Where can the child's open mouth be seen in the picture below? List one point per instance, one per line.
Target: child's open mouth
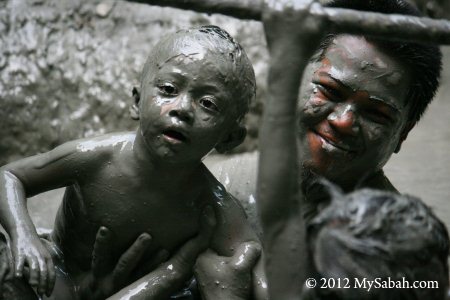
(174, 136)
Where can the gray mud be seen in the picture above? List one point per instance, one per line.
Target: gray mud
(67, 69)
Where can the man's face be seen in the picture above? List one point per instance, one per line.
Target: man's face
(186, 106)
(353, 110)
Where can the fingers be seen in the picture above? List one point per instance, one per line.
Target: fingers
(18, 265)
(4, 269)
(4, 262)
(246, 255)
(151, 264)
(101, 254)
(34, 272)
(43, 276)
(51, 277)
(10, 274)
(129, 260)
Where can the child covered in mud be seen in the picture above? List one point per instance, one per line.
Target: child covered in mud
(373, 244)
(195, 90)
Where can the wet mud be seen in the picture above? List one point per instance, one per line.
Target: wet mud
(67, 69)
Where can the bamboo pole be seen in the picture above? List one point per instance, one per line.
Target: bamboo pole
(396, 27)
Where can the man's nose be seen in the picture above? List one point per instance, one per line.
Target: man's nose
(343, 119)
(183, 109)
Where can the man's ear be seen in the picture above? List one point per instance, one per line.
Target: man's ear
(233, 139)
(404, 135)
(134, 109)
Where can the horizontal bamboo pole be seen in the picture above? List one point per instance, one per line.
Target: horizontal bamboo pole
(396, 27)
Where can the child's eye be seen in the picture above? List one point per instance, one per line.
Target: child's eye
(167, 89)
(208, 103)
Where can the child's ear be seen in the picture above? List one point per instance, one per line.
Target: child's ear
(233, 139)
(134, 109)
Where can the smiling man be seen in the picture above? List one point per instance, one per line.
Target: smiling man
(355, 110)
(359, 98)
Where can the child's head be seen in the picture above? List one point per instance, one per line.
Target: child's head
(196, 87)
(375, 234)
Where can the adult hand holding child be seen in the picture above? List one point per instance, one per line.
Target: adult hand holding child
(213, 273)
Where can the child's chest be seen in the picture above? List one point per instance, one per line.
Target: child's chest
(169, 215)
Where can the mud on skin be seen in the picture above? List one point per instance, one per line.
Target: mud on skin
(352, 102)
(352, 113)
(377, 234)
(151, 181)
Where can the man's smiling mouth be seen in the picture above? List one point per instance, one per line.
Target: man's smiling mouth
(333, 144)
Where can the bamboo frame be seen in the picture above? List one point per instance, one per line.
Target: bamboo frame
(397, 27)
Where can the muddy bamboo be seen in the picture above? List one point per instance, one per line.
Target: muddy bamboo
(397, 27)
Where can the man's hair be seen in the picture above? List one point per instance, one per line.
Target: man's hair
(423, 62)
(220, 42)
(377, 234)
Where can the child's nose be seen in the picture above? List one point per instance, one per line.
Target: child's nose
(343, 119)
(183, 109)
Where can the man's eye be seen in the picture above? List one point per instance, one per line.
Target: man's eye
(330, 93)
(209, 104)
(167, 89)
(378, 117)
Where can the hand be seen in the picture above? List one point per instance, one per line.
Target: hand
(290, 23)
(170, 277)
(32, 259)
(227, 278)
(102, 282)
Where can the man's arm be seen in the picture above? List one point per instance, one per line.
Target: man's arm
(292, 36)
(27, 177)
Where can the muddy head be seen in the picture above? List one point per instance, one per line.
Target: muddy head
(353, 109)
(195, 89)
(360, 97)
(375, 234)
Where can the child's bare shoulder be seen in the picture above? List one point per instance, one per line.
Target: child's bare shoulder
(107, 145)
(232, 228)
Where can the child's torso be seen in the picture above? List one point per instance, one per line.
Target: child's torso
(128, 205)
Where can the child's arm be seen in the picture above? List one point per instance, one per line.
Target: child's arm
(292, 36)
(233, 235)
(25, 178)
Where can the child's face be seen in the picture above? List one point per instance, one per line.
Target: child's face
(188, 106)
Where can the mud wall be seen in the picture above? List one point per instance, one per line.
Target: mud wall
(67, 67)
